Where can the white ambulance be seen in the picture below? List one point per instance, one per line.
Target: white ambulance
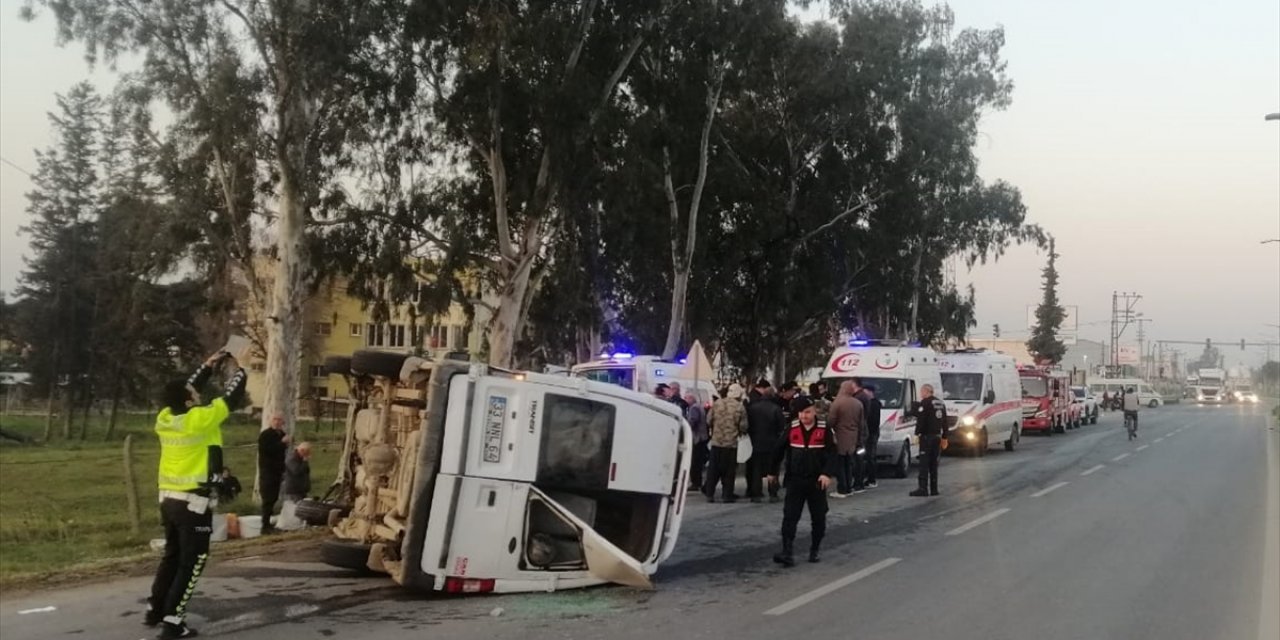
(897, 371)
(983, 397)
(644, 373)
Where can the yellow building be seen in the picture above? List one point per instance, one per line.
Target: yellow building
(338, 324)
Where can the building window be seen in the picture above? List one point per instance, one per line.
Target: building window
(319, 392)
(439, 337)
(375, 336)
(324, 328)
(395, 335)
(317, 371)
(258, 367)
(357, 329)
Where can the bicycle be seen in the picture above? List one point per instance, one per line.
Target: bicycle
(1131, 424)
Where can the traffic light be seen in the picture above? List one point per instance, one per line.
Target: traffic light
(995, 329)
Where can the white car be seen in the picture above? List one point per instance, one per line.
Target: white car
(1245, 395)
(1085, 397)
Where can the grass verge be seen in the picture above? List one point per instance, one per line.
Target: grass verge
(63, 505)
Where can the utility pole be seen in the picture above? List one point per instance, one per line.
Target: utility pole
(1122, 305)
(1142, 352)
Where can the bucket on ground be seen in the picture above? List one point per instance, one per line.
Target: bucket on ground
(250, 526)
(219, 528)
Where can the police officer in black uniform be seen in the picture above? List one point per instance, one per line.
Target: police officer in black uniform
(931, 427)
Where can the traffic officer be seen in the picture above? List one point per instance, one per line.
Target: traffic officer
(190, 468)
(931, 427)
(809, 448)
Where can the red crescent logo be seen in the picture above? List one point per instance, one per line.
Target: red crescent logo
(846, 363)
(886, 362)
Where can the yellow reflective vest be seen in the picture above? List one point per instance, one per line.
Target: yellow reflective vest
(185, 443)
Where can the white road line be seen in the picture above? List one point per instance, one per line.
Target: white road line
(802, 600)
(1142, 447)
(1052, 487)
(1120, 457)
(1092, 469)
(1160, 439)
(978, 522)
(37, 610)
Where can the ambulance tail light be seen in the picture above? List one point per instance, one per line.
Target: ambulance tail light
(468, 585)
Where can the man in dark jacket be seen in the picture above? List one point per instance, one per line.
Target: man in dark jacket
(871, 410)
(931, 427)
(273, 443)
(297, 473)
(808, 448)
(697, 419)
(765, 423)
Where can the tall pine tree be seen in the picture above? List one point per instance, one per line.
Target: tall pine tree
(1044, 344)
(57, 281)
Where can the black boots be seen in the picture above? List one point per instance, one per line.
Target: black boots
(813, 553)
(919, 493)
(786, 558)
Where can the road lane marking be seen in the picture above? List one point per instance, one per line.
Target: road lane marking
(1092, 469)
(1120, 457)
(978, 522)
(804, 599)
(1142, 447)
(1052, 487)
(37, 610)
(1158, 440)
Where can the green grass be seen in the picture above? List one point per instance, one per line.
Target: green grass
(63, 504)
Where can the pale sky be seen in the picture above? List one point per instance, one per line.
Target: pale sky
(1136, 135)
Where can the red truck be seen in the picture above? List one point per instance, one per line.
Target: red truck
(1047, 402)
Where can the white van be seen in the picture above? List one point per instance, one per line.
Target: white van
(644, 373)
(897, 371)
(1147, 396)
(464, 479)
(983, 397)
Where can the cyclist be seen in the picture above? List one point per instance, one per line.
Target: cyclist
(1131, 406)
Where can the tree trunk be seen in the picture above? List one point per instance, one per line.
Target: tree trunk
(679, 292)
(284, 325)
(510, 309)
(48, 413)
(68, 411)
(115, 406)
(915, 293)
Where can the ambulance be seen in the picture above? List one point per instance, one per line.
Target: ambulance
(897, 371)
(983, 398)
(460, 478)
(643, 373)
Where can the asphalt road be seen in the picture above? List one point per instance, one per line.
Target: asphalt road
(1082, 535)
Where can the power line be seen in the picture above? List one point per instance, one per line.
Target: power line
(8, 162)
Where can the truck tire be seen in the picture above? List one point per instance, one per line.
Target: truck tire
(345, 554)
(378, 363)
(337, 365)
(1154, 403)
(316, 512)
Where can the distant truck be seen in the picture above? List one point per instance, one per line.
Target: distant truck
(1210, 387)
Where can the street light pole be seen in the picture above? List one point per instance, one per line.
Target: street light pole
(1272, 116)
